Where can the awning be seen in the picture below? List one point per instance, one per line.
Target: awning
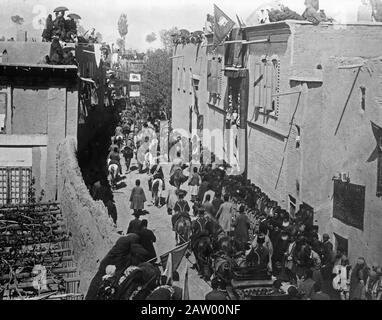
(313, 76)
(233, 72)
(305, 79)
(31, 66)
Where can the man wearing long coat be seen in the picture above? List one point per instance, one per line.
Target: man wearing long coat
(137, 197)
(224, 215)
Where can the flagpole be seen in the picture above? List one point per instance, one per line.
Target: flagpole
(186, 292)
(156, 258)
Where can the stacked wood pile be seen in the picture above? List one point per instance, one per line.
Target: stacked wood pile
(36, 258)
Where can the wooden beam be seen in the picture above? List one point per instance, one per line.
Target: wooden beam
(248, 42)
(216, 108)
(351, 66)
(347, 101)
(234, 41)
(267, 131)
(286, 93)
(258, 41)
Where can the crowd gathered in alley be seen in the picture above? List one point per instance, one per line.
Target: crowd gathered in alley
(229, 222)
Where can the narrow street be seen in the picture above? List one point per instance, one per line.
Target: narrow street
(160, 222)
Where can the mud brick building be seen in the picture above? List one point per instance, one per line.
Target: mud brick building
(309, 103)
(39, 110)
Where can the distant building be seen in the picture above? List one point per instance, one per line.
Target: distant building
(129, 78)
(305, 97)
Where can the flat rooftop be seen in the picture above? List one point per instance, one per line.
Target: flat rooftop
(38, 66)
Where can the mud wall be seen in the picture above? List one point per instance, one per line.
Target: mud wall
(92, 231)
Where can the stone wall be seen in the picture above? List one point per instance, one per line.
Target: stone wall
(92, 232)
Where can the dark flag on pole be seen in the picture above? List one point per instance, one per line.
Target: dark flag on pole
(377, 155)
(377, 131)
(177, 255)
(222, 26)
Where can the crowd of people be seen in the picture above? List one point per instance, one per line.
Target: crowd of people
(63, 28)
(289, 247)
(130, 140)
(243, 224)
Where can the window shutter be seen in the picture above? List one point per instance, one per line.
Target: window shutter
(209, 75)
(257, 90)
(184, 80)
(263, 86)
(178, 78)
(276, 86)
(190, 82)
(220, 82)
(215, 73)
(268, 86)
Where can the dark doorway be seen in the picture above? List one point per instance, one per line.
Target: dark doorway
(341, 244)
(306, 213)
(236, 106)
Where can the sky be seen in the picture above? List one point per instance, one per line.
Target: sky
(146, 16)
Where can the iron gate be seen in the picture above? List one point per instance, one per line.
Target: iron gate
(15, 184)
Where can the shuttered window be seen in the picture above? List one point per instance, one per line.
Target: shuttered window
(214, 75)
(220, 81)
(267, 86)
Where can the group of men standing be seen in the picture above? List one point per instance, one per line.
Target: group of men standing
(64, 29)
